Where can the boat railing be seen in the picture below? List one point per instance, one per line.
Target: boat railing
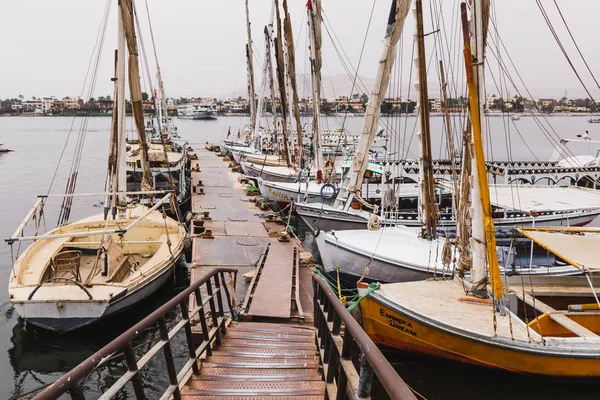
(349, 356)
(36, 212)
(213, 285)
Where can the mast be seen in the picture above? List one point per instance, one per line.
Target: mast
(314, 24)
(121, 176)
(429, 211)
(269, 61)
(136, 90)
(266, 76)
(398, 13)
(281, 85)
(250, 63)
(113, 149)
(291, 70)
(483, 224)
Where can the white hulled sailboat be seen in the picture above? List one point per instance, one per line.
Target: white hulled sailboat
(82, 271)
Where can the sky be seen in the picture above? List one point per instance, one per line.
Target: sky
(47, 45)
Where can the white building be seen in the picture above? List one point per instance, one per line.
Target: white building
(72, 102)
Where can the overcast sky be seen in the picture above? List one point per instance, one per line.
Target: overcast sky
(46, 45)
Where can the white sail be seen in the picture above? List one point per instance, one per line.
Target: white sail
(398, 13)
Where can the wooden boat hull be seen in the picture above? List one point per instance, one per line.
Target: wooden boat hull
(351, 252)
(351, 263)
(77, 314)
(401, 329)
(138, 265)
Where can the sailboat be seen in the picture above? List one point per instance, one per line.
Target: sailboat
(481, 321)
(254, 139)
(379, 248)
(83, 271)
(167, 157)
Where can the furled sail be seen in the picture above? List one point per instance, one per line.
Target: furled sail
(281, 84)
(291, 71)
(314, 12)
(136, 90)
(398, 13)
(250, 60)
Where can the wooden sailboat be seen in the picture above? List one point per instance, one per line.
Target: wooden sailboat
(255, 139)
(167, 158)
(482, 322)
(85, 270)
(420, 246)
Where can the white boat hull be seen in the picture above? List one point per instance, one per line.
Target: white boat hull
(328, 218)
(397, 254)
(73, 315)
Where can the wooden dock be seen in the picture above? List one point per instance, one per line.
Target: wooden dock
(270, 350)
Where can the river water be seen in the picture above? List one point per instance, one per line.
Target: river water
(31, 357)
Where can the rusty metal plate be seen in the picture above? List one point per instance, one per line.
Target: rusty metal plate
(273, 294)
(253, 229)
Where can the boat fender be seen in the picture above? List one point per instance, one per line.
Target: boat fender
(328, 191)
(187, 249)
(188, 217)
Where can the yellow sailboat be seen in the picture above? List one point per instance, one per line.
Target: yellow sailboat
(526, 329)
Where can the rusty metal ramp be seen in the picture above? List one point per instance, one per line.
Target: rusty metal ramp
(271, 290)
(260, 360)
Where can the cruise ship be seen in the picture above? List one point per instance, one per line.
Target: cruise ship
(197, 110)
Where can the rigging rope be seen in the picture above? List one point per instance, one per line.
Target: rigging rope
(65, 209)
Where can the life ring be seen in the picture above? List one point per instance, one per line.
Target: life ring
(328, 191)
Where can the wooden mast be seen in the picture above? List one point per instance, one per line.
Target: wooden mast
(291, 71)
(281, 85)
(429, 210)
(136, 91)
(314, 21)
(474, 65)
(113, 155)
(250, 63)
(269, 61)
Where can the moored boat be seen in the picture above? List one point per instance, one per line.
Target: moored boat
(83, 271)
(92, 268)
(481, 317)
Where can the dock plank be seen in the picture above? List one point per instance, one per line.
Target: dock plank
(273, 295)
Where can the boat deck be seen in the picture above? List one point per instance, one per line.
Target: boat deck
(446, 302)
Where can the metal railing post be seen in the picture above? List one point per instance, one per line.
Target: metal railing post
(164, 335)
(138, 386)
(213, 311)
(189, 337)
(76, 393)
(365, 379)
(203, 324)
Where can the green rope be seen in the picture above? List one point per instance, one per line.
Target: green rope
(372, 287)
(332, 284)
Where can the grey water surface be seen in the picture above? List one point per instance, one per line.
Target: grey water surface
(31, 357)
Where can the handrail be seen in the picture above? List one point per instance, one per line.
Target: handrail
(338, 350)
(71, 381)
